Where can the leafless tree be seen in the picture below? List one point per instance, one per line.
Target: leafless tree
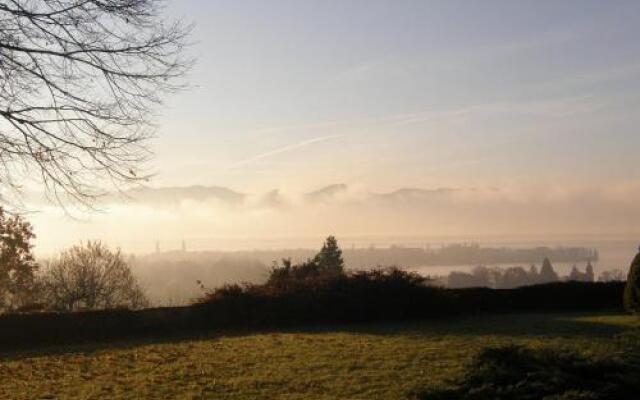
(79, 83)
(90, 277)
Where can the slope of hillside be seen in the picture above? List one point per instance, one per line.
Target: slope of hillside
(383, 361)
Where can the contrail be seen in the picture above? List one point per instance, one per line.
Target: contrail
(283, 150)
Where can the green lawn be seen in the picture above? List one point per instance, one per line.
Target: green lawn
(381, 361)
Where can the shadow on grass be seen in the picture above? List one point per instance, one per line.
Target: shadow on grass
(578, 325)
(516, 325)
(520, 373)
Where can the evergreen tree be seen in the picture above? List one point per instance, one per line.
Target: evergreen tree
(329, 259)
(534, 275)
(589, 274)
(574, 275)
(632, 289)
(547, 274)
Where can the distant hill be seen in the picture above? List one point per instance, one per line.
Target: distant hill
(415, 193)
(273, 199)
(326, 193)
(175, 195)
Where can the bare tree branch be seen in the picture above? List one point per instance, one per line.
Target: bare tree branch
(79, 83)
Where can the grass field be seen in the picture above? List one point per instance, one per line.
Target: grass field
(381, 361)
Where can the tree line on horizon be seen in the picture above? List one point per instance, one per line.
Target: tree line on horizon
(513, 277)
(463, 254)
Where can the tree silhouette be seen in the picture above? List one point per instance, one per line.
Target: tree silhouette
(534, 275)
(79, 80)
(91, 277)
(329, 259)
(574, 275)
(614, 275)
(589, 273)
(327, 263)
(632, 289)
(17, 264)
(547, 274)
(513, 277)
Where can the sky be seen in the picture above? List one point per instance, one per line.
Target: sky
(527, 110)
(301, 94)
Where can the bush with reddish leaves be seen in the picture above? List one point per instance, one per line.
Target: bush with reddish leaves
(379, 294)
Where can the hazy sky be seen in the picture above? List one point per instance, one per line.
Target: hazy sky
(297, 94)
(529, 109)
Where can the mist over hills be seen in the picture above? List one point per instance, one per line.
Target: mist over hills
(174, 195)
(326, 193)
(408, 193)
(231, 218)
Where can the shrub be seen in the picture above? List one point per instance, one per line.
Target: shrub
(519, 373)
(389, 294)
(328, 263)
(289, 274)
(90, 277)
(556, 296)
(360, 296)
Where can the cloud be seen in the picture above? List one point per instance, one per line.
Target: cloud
(281, 150)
